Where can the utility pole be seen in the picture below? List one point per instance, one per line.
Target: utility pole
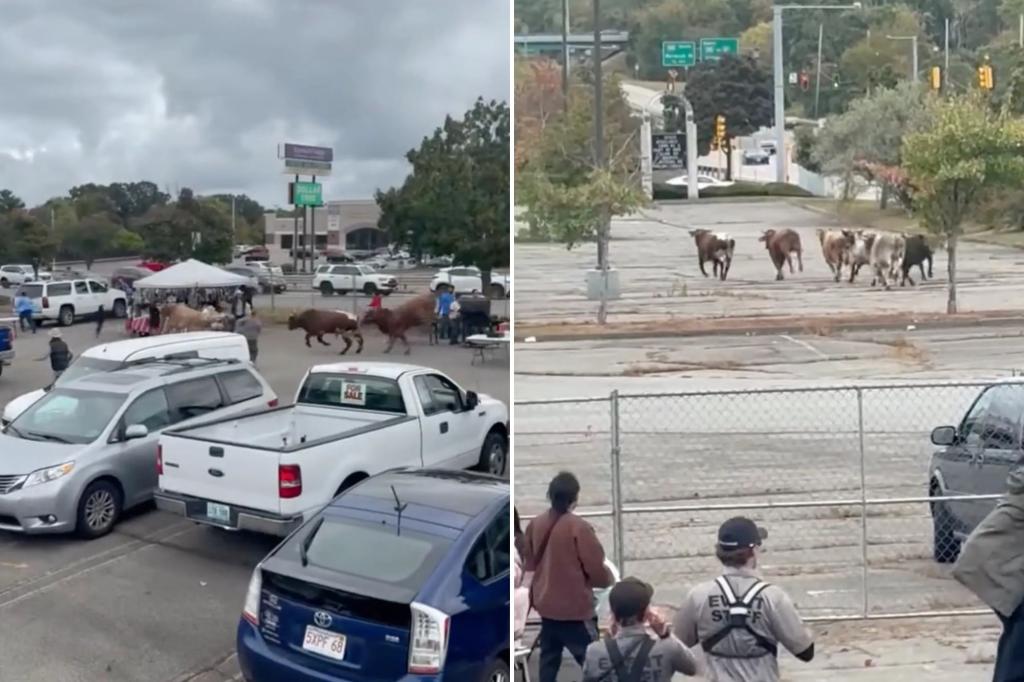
(565, 52)
(599, 161)
(817, 84)
(945, 72)
(1020, 30)
(780, 95)
(234, 233)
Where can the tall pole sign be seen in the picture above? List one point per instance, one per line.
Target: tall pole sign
(305, 160)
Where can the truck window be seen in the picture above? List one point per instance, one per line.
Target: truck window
(240, 386)
(443, 394)
(193, 398)
(356, 391)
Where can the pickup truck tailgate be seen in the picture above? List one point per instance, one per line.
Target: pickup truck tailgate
(219, 472)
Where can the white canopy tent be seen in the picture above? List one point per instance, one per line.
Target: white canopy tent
(192, 274)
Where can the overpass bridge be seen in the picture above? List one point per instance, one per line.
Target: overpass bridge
(550, 44)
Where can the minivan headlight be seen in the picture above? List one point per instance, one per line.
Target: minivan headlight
(48, 474)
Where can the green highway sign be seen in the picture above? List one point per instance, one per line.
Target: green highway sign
(305, 194)
(678, 53)
(712, 49)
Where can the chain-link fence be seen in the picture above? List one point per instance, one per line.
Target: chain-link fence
(842, 478)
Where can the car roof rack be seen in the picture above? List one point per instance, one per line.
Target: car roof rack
(178, 364)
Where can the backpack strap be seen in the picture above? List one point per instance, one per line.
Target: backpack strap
(739, 613)
(636, 671)
(618, 662)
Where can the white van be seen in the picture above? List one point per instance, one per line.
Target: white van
(110, 356)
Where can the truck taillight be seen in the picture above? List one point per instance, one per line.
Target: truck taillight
(289, 481)
(159, 460)
(46, 302)
(428, 643)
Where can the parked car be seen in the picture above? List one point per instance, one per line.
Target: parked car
(62, 301)
(429, 601)
(469, 279)
(349, 421)
(107, 357)
(267, 276)
(13, 275)
(974, 458)
(756, 157)
(85, 452)
(153, 265)
(130, 274)
(8, 326)
(341, 279)
(703, 181)
(252, 283)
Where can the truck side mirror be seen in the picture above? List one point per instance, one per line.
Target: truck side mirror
(472, 400)
(944, 436)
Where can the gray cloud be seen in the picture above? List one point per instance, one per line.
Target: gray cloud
(199, 92)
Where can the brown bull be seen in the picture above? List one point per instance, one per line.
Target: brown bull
(319, 322)
(395, 322)
(717, 247)
(781, 245)
(835, 245)
(178, 317)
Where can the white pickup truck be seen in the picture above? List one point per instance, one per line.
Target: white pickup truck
(269, 471)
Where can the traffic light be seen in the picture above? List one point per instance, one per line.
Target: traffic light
(935, 78)
(805, 81)
(835, 81)
(720, 128)
(985, 78)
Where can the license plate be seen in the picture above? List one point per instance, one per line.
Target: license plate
(324, 642)
(218, 512)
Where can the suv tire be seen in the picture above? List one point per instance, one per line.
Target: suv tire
(945, 545)
(120, 309)
(66, 317)
(326, 288)
(369, 288)
(99, 509)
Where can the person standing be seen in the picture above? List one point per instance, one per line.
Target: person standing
(24, 308)
(991, 565)
(250, 327)
(567, 561)
(444, 307)
(630, 652)
(376, 301)
(738, 619)
(59, 355)
(101, 316)
(238, 304)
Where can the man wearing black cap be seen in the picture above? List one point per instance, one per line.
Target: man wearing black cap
(738, 619)
(631, 655)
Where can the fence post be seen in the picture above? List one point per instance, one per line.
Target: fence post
(863, 504)
(616, 471)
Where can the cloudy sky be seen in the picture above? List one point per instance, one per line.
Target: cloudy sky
(198, 93)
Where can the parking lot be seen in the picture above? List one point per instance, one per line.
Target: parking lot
(159, 598)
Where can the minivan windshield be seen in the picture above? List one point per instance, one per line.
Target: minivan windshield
(84, 366)
(68, 416)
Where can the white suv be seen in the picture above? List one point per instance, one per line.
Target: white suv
(468, 280)
(13, 275)
(341, 279)
(65, 300)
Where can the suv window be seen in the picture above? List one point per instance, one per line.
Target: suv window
(489, 558)
(994, 420)
(81, 288)
(149, 409)
(438, 394)
(240, 386)
(323, 269)
(97, 288)
(61, 289)
(193, 398)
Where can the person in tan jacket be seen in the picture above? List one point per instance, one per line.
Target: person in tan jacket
(991, 565)
(567, 561)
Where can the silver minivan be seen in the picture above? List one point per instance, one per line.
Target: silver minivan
(88, 450)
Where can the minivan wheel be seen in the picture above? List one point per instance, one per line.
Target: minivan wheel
(99, 508)
(498, 672)
(493, 455)
(67, 316)
(945, 545)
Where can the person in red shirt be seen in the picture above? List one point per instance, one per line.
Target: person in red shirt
(376, 302)
(567, 561)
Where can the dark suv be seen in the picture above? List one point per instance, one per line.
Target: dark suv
(974, 458)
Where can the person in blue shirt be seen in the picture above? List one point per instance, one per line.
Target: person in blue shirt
(24, 307)
(444, 307)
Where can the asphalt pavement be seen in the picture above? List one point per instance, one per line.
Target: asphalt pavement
(158, 599)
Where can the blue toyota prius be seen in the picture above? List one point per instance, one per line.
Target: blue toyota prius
(403, 577)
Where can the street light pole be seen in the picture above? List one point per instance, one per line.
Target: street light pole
(780, 88)
(565, 52)
(599, 162)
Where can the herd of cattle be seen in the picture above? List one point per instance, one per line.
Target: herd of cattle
(890, 256)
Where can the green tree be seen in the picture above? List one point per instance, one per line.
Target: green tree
(33, 241)
(9, 201)
(674, 20)
(92, 236)
(968, 152)
(756, 42)
(126, 242)
(191, 227)
(869, 135)
(735, 87)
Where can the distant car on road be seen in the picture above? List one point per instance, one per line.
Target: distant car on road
(13, 275)
(975, 458)
(756, 157)
(427, 598)
(341, 279)
(703, 181)
(468, 279)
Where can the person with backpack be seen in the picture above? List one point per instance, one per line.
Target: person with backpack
(631, 654)
(738, 619)
(567, 561)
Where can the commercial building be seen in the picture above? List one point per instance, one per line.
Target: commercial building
(340, 226)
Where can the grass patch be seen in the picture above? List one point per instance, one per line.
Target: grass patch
(663, 191)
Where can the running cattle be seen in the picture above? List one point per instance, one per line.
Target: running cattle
(178, 317)
(835, 244)
(887, 257)
(716, 247)
(319, 322)
(781, 245)
(860, 255)
(394, 323)
(917, 252)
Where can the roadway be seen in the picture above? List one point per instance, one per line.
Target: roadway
(159, 598)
